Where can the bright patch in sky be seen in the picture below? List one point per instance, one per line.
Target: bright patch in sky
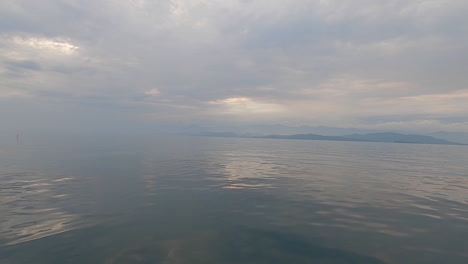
(247, 106)
(152, 92)
(48, 44)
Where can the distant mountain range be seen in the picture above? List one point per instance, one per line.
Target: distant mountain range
(388, 137)
(262, 130)
(371, 137)
(258, 130)
(461, 137)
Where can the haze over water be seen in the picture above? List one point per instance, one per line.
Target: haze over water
(163, 199)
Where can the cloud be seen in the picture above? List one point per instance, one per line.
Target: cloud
(58, 46)
(152, 92)
(334, 62)
(23, 64)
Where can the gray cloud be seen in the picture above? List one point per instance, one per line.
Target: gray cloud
(342, 63)
(25, 64)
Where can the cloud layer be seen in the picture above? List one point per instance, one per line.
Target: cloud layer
(111, 64)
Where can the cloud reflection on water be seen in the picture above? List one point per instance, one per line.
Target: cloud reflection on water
(30, 203)
(400, 192)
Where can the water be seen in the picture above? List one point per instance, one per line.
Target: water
(161, 199)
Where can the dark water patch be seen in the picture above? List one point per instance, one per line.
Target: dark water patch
(227, 245)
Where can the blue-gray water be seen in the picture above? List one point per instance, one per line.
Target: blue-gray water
(161, 199)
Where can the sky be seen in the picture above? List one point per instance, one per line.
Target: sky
(115, 64)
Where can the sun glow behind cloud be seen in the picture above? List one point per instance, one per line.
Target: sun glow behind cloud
(60, 46)
(152, 92)
(246, 106)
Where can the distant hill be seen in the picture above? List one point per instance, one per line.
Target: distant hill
(216, 134)
(258, 130)
(262, 130)
(371, 137)
(461, 137)
(312, 137)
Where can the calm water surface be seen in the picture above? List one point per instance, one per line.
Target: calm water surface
(161, 199)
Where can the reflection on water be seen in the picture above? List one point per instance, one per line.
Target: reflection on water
(226, 200)
(30, 201)
(250, 173)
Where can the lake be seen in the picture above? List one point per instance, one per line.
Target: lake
(175, 199)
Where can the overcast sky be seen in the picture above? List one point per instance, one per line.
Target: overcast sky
(97, 64)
